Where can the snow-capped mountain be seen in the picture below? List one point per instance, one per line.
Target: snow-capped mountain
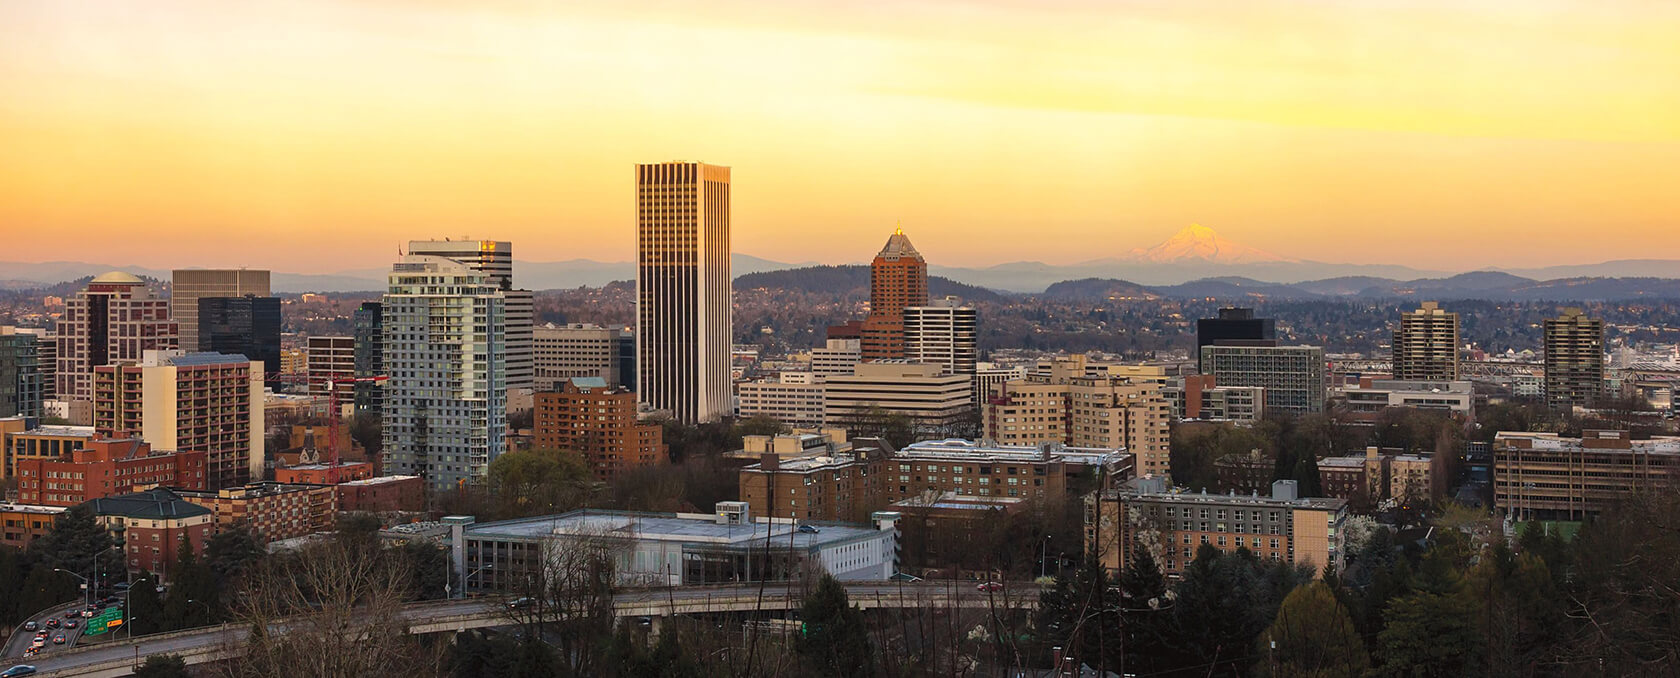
(1199, 243)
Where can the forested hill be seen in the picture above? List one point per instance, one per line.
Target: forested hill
(850, 279)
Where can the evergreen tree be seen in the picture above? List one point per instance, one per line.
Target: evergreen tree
(232, 552)
(193, 599)
(79, 544)
(44, 588)
(1429, 635)
(145, 606)
(163, 666)
(12, 574)
(835, 641)
(1314, 636)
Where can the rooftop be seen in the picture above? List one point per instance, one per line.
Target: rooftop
(117, 278)
(155, 503)
(691, 528)
(381, 480)
(9, 507)
(1179, 495)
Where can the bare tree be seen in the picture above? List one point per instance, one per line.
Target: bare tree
(332, 610)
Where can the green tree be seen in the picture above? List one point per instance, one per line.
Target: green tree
(232, 552)
(11, 585)
(428, 566)
(44, 588)
(835, 641)
(1314, 637)
(145, 606)
(163, 666)
(1429, 635)
(760, 425)
(539, 482)
(194, 599)
(77, 543)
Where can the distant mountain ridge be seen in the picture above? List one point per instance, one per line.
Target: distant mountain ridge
(1486, 285)
(852, 278)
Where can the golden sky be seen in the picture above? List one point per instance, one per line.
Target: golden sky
(314, 135)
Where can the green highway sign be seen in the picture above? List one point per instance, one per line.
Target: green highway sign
(107, 619)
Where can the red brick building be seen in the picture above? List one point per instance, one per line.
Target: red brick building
(274, 510)
(385, 493)
(324, 474)
(103, 468)
(897, 280)
(154, 523)
(598, 421)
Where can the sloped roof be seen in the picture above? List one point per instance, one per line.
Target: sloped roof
(158, 503)
(899, 247)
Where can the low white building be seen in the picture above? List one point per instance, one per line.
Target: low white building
(673, 549)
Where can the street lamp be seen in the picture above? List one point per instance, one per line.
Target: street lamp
(1042, 545)
(85, 586)
(467, 580)
(128, 607)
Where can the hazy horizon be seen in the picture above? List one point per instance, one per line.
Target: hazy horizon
(317, 136)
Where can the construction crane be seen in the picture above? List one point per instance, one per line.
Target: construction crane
(334, 416)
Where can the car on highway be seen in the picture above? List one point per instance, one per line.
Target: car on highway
(58, 639)
(39, 641)
(70, 623)
(71, 613)
(19, 670)
(989, 586)
(30, 625)
(521, 603)
(52, 623)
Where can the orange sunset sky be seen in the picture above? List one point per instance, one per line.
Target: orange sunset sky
(314, 135)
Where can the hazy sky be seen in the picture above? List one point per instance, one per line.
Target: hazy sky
(314, 135)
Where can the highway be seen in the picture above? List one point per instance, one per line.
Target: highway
(209, 644)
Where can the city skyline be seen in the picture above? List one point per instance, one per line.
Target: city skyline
(1336, 131)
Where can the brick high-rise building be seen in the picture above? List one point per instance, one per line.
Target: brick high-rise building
(189, 285)
(1574, 346)
(116, 319)
(897, 280)
(598, 421)
(106, 467)
(1426, 345)
(274, 510)
(684, 310)
(191, 402)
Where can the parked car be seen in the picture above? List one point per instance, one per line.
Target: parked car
(19, 670)
(809, 529)
(989, 586)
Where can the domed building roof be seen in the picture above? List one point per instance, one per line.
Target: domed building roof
(118, 278)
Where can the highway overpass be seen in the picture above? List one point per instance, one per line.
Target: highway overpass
(198, 646)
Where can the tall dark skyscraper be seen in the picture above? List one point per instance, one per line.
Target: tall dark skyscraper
(369, 321)
(247, 326)
(1234, 327)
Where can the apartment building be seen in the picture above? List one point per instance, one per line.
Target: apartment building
(1198, 396)
(106, 467)
(1574, 355)
(1426, 345)
(155, 524)
(598, 421)
(20, 374)
(1293, 376)
(330, 358)
(190, 402)
(836, 485)
(1173, 523)
(1060, 403)
(836, 357)
(1380, 475)
(275, 511)
(943, 332)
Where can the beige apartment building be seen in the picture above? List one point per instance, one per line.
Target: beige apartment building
(1426, 345)
(1546, 476)
(931, 397)
(1173, 523)
(1061, 403)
